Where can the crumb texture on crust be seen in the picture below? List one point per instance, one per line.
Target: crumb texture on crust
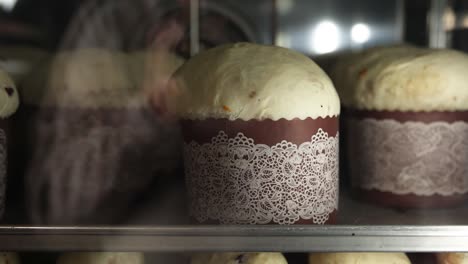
(404, 78)
(249, 81)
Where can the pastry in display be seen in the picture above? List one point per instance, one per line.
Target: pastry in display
(260, 126)
(452, 258)
(349, 70)
(9, 258)
(354, 69)
(358, 258)
(99, 143)
(9, 103)
(406, 126)
(102, 258)
(239, 258)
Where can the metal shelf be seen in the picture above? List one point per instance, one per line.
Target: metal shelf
(169, 208)
(159, 226)
(237, 238)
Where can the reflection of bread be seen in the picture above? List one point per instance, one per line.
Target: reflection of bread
(235, 258)
(101, 258)
(96, 130)
(94, 77)
(358, 258)
(91, 78)
(249, 81)
(150, 67)
(9, 258)
(9, 98)
(452, 258)
(406, 79)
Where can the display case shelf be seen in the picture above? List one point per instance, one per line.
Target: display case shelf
(361, 227)
(236, 238)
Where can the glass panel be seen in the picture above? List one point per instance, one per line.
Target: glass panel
(97, 155)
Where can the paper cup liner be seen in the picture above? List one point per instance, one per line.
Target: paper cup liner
(262, 172)
(408, 159)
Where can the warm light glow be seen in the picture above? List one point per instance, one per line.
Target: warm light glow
(360, 33)
(8, 4)
(449, 19)
(325, 37)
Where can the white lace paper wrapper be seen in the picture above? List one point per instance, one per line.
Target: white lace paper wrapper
(409, 158)
(235, 181)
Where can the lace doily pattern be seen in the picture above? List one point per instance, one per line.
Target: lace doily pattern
(235, 181)
(409, 158)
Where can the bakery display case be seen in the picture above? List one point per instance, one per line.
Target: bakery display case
(97, 155)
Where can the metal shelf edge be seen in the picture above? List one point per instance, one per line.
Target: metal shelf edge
(236, 238)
